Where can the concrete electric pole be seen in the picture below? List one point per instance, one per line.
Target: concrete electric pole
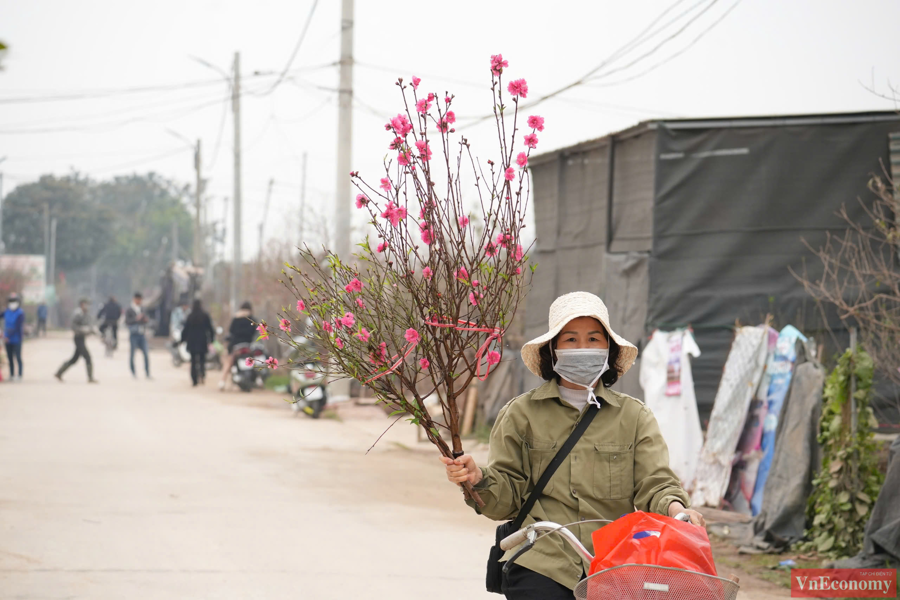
(340, 389)
(198, 229)
(236, 263)
(262, 221)
(345, 135)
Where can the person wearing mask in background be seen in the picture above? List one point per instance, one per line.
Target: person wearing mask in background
(13, 326)
(198, 334)
(81, 327)
(136, 320)
(109, 317)
(241, 331)
(41, 318)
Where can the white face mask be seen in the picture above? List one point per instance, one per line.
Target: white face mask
(13, 305)
(582, 366)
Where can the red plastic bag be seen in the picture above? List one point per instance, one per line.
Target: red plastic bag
(649, 539)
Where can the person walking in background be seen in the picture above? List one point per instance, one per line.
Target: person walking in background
(198, 334)
(109, 317)
(13, 326)
(241, 331)
(136, 320)
(41, 318)
(81, 327)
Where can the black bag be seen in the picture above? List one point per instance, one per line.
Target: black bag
(494, 578)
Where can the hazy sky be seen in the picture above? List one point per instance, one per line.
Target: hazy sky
(764, 57)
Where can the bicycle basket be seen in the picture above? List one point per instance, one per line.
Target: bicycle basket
(649, 582)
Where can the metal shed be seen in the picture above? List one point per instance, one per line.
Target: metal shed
(698, 223)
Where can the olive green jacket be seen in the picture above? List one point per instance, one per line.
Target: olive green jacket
(619, 464)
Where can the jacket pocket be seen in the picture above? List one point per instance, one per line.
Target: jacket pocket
(540, 453)
(613, 471)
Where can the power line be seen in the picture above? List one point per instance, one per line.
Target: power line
(309, 17)
(622, 51)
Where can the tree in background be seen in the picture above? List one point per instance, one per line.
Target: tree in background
(861, 276)
(124, 227)
(83, 226)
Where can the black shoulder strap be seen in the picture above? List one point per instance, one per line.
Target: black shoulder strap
(554, 464)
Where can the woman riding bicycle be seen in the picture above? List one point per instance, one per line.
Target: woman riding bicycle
(620, 463)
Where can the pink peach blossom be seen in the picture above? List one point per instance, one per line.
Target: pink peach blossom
(263, 331)
(510, 174)
(426, 273)
(300, 306)
(360, 303)
(424, 149)
(490, 249)
(401, 125)
(450, 117)
(411, 335)
(518, 270)
(348, 320)
(536, 122)
(394, 213)
(475, 283)
(249, 362)
(361, 200)
(339, 343)
(403, 159)
(463, 221)
(472, 300)
(493, 357)
(354, 286)
(386, 184)
(424, 363)
(522, 159)
(531, 140)
(461, 273)
(382, 247)
(498, 64)
(363, 335)
(519, 252)
(415, 82)
(272, 362)
(285, 325)
(327, 327)
(518, 87)
(423, 105)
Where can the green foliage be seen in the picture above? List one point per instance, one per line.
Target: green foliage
(848, 484)
(124, 226)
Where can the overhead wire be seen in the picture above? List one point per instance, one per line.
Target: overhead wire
(290, 61)
(632, 44)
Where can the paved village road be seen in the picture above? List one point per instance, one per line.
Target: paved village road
(151, 489)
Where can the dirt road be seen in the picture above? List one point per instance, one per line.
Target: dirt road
(152, 489)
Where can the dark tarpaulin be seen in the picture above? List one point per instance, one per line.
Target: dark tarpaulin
(732, 208)
(782, 518)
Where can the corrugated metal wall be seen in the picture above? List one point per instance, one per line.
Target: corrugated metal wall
(573, 247)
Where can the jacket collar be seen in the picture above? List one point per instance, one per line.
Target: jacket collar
(550, 389)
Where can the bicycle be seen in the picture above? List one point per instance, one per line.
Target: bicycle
(627, 581)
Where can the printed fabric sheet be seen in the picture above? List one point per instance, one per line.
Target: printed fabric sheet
(740, 379)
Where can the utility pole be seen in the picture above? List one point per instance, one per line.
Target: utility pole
(345, 134)
(236, 260)
(2, 245)
(262, 221)
(53, 252)
(198, 235)
(174, 242)
(302, 197)
(47, 279)
(340, 389)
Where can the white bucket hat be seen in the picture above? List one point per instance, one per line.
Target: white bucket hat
(571, 306)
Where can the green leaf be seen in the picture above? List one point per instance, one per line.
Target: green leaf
(835, 466)
(396, 412)
(434, 432)
(861, 509)
(826, 544)
(864, 497)
(843, 497)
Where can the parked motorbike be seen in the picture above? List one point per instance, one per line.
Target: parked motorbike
(248, 376)
(178, 350)
(307, 382)
(308, 389)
